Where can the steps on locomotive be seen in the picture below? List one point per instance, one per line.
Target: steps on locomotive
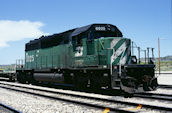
(116, 88)
(117, 83)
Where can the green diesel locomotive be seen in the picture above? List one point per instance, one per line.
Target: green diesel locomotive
(93, 56)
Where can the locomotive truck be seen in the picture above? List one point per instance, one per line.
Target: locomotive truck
(93, 56)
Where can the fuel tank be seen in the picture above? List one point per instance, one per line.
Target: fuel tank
(49, 77)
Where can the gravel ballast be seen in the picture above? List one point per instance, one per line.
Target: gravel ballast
(33, 104)
(120, 98)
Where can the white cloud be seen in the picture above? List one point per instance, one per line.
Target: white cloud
(18, 30)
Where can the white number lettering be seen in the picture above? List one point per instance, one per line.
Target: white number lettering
(29, 58)
(100, 28)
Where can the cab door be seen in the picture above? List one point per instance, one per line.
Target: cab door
(91, 57)
(78, 51)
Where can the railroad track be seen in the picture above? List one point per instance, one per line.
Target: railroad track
(156, 96)
(164, 73)
(7, 109)
(86, 100)
(165, 86)
(60, 98)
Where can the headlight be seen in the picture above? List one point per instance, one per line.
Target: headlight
(115, 67)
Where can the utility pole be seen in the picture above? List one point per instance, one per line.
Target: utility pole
(159, 52)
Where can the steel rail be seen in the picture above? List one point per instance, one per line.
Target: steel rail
(155, 94)
(11, 109)
(165, 86)
(153, 97)
(164, 73)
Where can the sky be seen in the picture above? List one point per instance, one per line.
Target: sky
(143, 21)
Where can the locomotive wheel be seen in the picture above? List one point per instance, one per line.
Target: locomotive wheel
(125, 94)
(128, 95)
(11, 78)
(95, 85)
(80, 85)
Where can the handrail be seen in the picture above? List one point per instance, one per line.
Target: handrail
(120, 61)
(101, 44)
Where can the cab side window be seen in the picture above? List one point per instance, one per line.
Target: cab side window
(76, 41)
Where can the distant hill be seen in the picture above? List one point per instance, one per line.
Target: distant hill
(8, 67)
(166, 58)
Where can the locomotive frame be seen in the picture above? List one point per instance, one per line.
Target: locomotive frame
(92, 56)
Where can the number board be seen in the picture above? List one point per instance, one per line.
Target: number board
(100, 28)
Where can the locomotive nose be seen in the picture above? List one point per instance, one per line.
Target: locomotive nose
(121, 51)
